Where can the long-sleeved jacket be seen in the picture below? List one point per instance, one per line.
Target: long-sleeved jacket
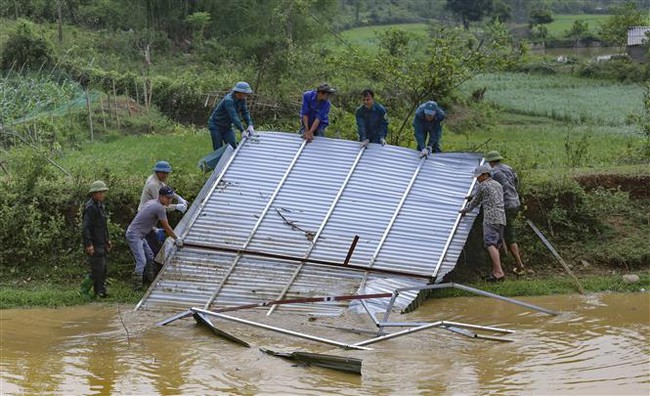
(94, 228)
(489, 194)
(315, 109)
(227, 113)
(421, 125)
(372, 123)
(150, 191)
(507, 177)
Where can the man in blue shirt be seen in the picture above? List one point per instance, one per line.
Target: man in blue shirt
(227, 113)
(427, 120)
(315, 111)
(372, 120)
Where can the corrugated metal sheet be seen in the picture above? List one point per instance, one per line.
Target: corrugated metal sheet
(636, 35)
(360, 192)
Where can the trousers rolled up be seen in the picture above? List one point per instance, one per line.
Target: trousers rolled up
(221, 135)
(98, 269)
(140, 250)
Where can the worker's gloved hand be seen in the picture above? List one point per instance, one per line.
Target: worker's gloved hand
(181, 199)
(382, 141)
(429, 149)
(364, 143)
(462, 212)
(424, 153)
(250, 131)
(160, 234)
(181, 207)
(178, 242)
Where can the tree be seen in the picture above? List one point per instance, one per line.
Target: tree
(578, 31)
(501, 11)
(614, 29)
(469, 10)
(198, 21)
(409, 73)
(536, 21)
(24, 48)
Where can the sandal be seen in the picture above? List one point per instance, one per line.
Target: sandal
(519, 270)
(492, 278)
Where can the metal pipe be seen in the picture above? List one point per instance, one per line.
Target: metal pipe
(481, 293)
(506, 299)
(373, 259)
(401, 324)
(388, 309)
(454, 228)
(557, 255)
(174, 318)
(351, 250)
(301, 260)
(257, 224)
(304, 300)
(365, 306)
(339, 193)
(280, 330)
(398, 334)
(477, 327)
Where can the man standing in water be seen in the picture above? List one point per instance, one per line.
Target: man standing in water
(97, 243)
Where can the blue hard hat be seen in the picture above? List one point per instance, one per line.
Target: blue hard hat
(162, 166)
(244, 87)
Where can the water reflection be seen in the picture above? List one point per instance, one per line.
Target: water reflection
(599, 345)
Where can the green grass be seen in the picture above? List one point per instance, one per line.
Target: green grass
(563, 22)
(53, 295)
(553, 285)
(563, 98)
(366, 36)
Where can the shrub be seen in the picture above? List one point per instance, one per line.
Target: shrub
(24, 48)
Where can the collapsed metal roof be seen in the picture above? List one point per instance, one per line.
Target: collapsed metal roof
(282, 198)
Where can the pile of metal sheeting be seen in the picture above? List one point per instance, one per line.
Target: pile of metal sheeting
(278, 196)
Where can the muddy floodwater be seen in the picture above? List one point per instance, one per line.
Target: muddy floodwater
(598, 345)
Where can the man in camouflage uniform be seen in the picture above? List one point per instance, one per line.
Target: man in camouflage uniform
(94, 232)
(489, 195)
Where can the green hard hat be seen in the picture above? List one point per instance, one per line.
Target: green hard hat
(98, 186)
(493, 156)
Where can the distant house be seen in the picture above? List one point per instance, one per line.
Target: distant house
(636, 40)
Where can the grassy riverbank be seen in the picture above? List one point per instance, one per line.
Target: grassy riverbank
(54, 294)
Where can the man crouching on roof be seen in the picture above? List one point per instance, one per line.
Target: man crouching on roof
(146, 218)
(490, 197)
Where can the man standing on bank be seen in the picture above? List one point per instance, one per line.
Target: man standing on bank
(97, 243)
(508, 179)
(152, 212)
(227, 113)
(315, 110)
(427, 121)
(489, 195)
(372, 120)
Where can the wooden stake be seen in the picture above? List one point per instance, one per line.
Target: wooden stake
(90, 117)
(117, 117)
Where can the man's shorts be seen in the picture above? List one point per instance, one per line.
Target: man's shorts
(509, 232)
(493, 235)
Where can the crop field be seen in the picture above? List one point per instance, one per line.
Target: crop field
(563, 22)
(563, 98)
(366, 36)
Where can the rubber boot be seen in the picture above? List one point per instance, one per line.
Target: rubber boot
(84, 290)
(137, 281)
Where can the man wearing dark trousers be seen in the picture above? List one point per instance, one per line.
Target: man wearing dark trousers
(96, 240)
